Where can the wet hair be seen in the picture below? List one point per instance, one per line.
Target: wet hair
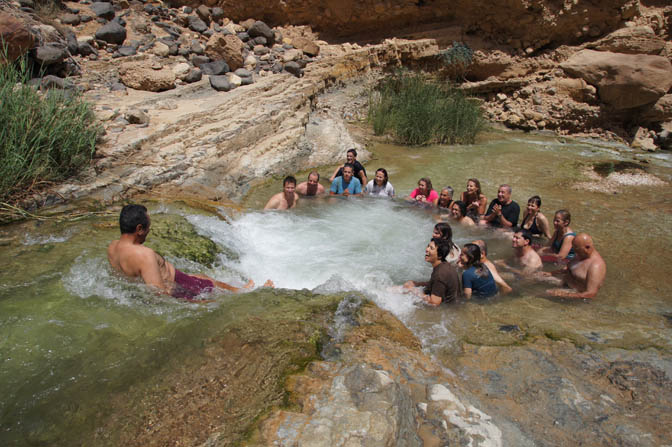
(536, 200)
(446, 233)
(428, 182)
(314, 173)
(442, 248)
(349, 165)
(384, 173)
(462, 205)
(131, 216)
(353, 151)
(473, 253)
(478, 186)
(564, 215)
(526, 234)
(482, 245)
(289, 179)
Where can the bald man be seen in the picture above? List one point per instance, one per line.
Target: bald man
(585, 273)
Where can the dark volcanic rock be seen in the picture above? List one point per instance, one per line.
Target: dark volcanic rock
(71, 19)
(204, 13)
(294, 68)
(199, 60)
(243, 36)
(104, 10)
(194, 75)
(112, 32)
(197, 25)
(215, 68)
(259, 40)
(86, 49)
(220, 83)
(50, 54)
(261, 29)
(217, 13)
(127, 51)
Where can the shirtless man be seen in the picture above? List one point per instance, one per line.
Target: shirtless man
(585, 273)
(287, 198)
(128, 256)
(312, 187)
(503, 286)
(526, 261)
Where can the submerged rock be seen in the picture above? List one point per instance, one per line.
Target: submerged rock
(173, 235)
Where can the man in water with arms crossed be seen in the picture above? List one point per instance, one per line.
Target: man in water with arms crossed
(585, 273)
(312, 187)
(128, 256)
(444, 284)
(287, 198)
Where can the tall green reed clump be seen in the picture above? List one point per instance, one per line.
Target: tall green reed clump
(42, 137)
(418, 112)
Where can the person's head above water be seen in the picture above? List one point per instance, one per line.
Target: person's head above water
(351, 156)
(483, 246)
(562, 218)
(458, 209)
(446, 196)
(441, 247)
(348, 170)
(471, 256)
(504, 194)
(131, 216)
(519, 238)
(443, 230)
(583, 245)
(313, 178)
(381, 177)
(474, 186)
(425, 185)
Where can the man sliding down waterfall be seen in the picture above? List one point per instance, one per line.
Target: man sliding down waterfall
(129, 256)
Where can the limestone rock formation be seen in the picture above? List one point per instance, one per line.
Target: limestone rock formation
(139, 76)
(623, 81)
(631, 40)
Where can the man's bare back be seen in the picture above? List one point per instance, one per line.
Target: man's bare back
(585, 273)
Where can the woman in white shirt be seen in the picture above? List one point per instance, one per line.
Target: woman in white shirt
(379, 186)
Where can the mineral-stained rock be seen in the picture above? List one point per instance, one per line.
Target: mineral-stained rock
(215, 68)
(221, 83)
(643, 140)
(16, 36)
(623, 81)
(112, 32)
(140, 76)
(261, 29)
(631, 40)
(103, 9)
(227, 47)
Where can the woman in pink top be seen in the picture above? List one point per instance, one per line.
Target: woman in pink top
(424, 193)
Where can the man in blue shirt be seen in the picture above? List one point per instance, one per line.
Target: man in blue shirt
(347, 185)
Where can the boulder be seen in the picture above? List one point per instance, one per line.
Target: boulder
(643, 140)
(16, 36)
(204, 13)
(658, 112)
(136, 116)
(227, 47)
(576, 88)
(623, 81)
(632, 40)
(261, 29)
(293, 68)
(197, 25)
(181, 70)
(103, 9)
(50, 54)
(194, 75)
(127, 50)
(86, 49)
(215, 68)
(112, 32)
(161, 49)
(140, 76)
(71, 19)
(217, 14)
(306, 45)
(220, 83)
(292, 55)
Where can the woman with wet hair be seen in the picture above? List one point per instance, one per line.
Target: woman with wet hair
(458, 212)
(474, 199)
(476, 278)
(559, 248)
(534, 221)
(424, 193)
(443, 231)
(445, 199)
(380, 185)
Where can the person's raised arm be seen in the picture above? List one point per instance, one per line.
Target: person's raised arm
(333, 176)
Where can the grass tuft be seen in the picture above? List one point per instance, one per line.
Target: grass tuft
(420, 112)
(43, 138)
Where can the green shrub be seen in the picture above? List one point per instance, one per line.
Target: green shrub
(42, 137)
(456, 60)
(420, 112)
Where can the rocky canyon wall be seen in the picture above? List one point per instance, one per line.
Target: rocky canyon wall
(520, 23)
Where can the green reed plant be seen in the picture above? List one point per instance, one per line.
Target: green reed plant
(419, 112)
(42, 137)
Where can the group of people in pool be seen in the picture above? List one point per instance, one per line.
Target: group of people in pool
(583, 268)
